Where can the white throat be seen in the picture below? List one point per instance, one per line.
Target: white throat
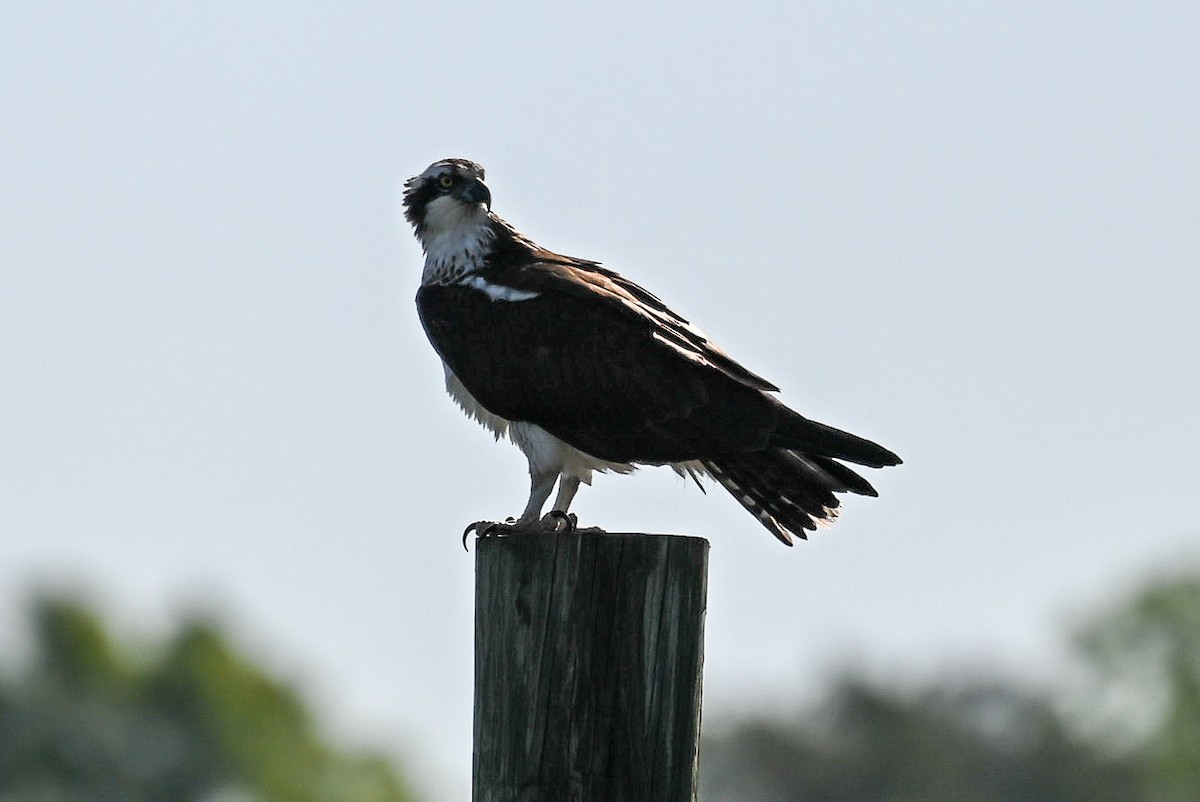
(456, 239)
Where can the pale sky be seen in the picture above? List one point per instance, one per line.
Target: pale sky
(968, 231)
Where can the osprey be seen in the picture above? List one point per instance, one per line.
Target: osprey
(586, 371)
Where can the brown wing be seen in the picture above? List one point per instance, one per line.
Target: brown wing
(601, 368)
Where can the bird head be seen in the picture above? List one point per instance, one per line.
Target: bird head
(449, 194)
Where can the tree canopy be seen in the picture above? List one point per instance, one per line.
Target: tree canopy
(1130, 731)
(86, 721)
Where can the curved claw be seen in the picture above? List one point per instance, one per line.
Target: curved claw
(467, 532)
(481, 529)
(485, 529)
(553, 521)
(555, 517)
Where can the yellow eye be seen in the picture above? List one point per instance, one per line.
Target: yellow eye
(445, 182)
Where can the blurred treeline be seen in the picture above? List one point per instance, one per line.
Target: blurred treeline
(1124, 727)
(192, 721)
(86, 719)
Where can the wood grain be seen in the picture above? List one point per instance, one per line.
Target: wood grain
(588, 663)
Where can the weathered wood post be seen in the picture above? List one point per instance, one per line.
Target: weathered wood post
(588, 657)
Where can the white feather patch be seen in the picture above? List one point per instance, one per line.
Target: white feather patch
(497, 292)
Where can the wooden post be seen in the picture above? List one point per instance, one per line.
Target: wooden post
(588, 656)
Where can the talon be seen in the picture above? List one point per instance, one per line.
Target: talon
(467, 532)
(553, 521)
(481, 529)
(554, 517)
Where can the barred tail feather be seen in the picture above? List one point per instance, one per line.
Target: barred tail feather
(787, 491)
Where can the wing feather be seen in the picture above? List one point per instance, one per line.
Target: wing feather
(607, 367)
(587, 366)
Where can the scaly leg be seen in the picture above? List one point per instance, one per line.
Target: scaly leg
(530, 521)
(567, 487)
(539, 491)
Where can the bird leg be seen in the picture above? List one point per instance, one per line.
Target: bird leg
(557, 520)
(568, 485)
(530, 522)
(540, 486)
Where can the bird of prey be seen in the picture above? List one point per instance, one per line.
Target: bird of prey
(585, 371)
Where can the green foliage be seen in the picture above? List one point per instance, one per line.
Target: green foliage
(1144, 659)
(1136, 736)
(980, 742)
(85, 723)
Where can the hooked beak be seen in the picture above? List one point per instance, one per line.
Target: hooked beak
(476, 192)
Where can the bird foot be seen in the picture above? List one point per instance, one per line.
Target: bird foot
(552, 522)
